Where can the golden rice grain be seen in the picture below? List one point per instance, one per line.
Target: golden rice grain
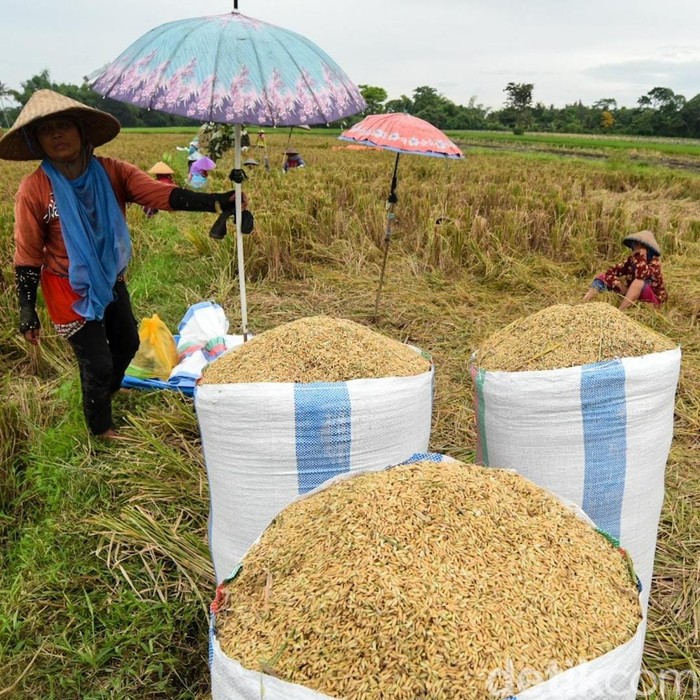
(316, 349)
(568, 336)
(422, 581)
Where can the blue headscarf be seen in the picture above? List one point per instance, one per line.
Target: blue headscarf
(95, 233)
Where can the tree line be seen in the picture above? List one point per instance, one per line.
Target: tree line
(660, 112)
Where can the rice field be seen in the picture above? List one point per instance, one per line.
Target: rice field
(105, 578)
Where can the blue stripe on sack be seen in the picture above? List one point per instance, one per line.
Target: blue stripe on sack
(212, 630)
(424, 457)
(604, 408)
(323, 432)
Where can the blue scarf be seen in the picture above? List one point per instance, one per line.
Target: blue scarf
(95, 233)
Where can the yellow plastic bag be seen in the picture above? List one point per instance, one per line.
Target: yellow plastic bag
(157, 353)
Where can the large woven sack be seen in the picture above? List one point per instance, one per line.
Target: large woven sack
(264, 444)
(613, 676)
(598, 435)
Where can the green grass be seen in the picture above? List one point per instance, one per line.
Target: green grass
(678, 147)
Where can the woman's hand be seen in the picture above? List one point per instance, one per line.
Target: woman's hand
(632, 294)
(33, 336)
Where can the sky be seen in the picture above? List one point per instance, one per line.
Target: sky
(465, 49)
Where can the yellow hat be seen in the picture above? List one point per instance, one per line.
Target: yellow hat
(161, 168)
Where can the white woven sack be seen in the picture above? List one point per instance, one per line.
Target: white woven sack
(265, 444)
(598, 435)
(613, 676)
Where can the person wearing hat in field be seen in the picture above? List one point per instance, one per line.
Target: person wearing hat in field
(193, 153)
(71, 236)
(164, 173)
(638, 278)
(293, 160)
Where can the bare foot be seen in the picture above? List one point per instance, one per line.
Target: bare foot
(110, 434)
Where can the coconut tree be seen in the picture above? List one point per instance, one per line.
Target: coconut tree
(4, 92)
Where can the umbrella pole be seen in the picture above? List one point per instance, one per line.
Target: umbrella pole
(391, 202)
(239, 236)
(286, 148)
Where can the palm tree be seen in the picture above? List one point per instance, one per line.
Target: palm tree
(4, 92)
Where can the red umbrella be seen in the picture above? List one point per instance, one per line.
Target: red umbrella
(400, 133)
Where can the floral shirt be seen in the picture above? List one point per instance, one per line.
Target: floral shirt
(637, 267)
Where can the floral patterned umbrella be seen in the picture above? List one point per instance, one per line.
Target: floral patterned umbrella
(402, 133)
(399, 133)
(231, 69)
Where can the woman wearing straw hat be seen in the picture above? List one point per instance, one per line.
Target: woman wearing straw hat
(638, 278)
(163, 172)
(292, 160)
(71, 234)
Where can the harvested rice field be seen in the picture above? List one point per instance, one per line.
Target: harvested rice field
(105, 572)
(421, 580)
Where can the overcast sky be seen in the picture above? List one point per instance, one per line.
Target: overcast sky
(569, 50)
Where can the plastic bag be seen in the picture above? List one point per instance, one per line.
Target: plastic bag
(157, 353)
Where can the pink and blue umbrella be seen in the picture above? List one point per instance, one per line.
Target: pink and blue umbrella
(231, 69)
(402, 133)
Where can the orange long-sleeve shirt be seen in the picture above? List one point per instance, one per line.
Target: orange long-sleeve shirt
(38, 236)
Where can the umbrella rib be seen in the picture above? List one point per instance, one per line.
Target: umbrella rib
(312, 46)
(260, 69)
(215, 78)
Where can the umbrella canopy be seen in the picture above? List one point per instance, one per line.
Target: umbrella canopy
(231, 69)
(203, 164)
(402, 133)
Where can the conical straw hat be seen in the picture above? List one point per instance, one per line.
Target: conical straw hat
(18, 143)
(161, 168)
(645, 238)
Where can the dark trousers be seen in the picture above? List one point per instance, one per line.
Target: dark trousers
(104, 350)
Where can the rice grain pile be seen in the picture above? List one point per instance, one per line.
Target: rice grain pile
(568, 336)
(316, 349)
(419, 581)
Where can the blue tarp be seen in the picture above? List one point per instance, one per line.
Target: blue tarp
(134, 383)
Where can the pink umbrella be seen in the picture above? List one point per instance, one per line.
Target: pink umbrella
(203, 164)
(400, 133)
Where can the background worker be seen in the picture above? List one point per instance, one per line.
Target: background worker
(293, 160)
(638, 278)
(164, 173)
